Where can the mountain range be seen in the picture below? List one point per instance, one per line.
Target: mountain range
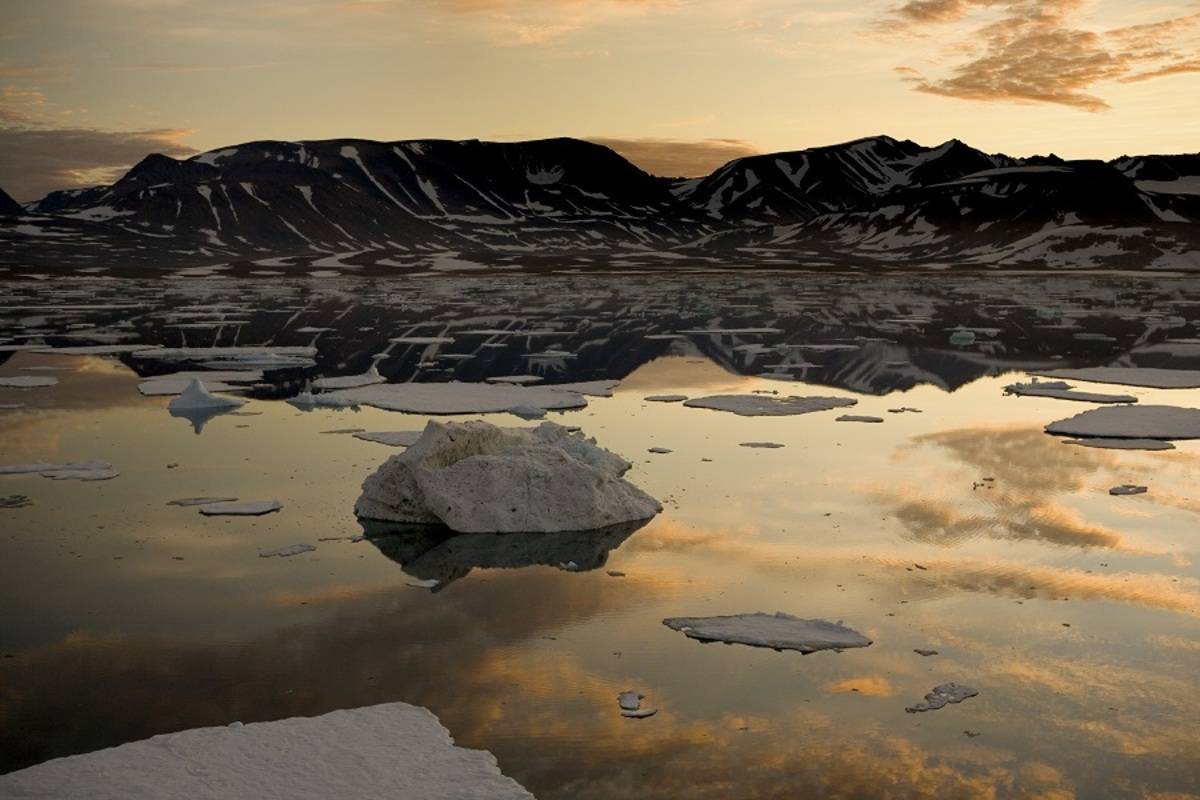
(352, 204)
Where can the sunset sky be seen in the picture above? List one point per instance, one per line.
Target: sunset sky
(678, 86)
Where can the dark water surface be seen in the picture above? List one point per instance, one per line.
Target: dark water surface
(1074, 613)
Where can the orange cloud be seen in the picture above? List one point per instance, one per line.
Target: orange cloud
(1034, 54)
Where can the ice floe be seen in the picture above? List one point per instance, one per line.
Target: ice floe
(71, 471)
(476, 477)
(764, 445)
(196, 396)
(750, 405)
(1131, 422)
(390, 750)
(288, 551)
(1149, 377)
(858, 418)
(27, 381)
(1127, 489)
(630, 704)
(14, 501)
(778, 631)
(247, 508)
(215, 381)
(940, 696)
(390, 438)
(1064, 391)
(1122, 444)
(368, 378)
(454, 398)
(188, 502)
(665, 398)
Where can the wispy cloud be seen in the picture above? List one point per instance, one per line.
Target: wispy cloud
(675, 158)
(1038, 51)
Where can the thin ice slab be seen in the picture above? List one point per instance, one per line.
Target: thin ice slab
(778, 631)
(391, 750)
(27, 381)
(288, 551)
(455, 398)
(248, 508)
(752, 405)
(1150, 377)
(390, 438)
(1131, 422)
(73, 470)
(1122, 444)
(1063, 391)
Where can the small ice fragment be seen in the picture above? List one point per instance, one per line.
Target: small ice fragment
(765, 445)
(630, 701)
(759, 406)
(778, 631)
(666, 398)
(857, 418)
(428, 583)
(921, 652)
(962, 338)
(250, 508)
(1122, 444)
(641, 713)
(941, 695)
(15, 501)
(187, 502)
(612, 573)
(195, 396)
(527, 412)
(660, 450)
(1127, 488)
(28, 381)
(287, 552)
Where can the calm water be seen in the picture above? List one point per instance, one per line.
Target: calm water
(1074, 613)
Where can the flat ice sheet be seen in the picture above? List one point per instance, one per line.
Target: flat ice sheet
(778, 631)
(392, 750)
(751, 405)
(247, 508)
(456, 398)
(1131, 422)
(1149, 377)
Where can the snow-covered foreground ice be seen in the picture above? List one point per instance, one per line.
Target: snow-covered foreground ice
(1131, 422)
(778, 631)
(753, 405)
(394, 750)
(477, 478)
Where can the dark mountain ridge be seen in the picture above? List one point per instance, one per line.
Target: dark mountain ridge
(873, 201)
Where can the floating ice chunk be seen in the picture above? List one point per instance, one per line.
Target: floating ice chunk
(306, 401)
(1127, 489)
(214, 381)
(1122, 444)
(904, 410)
(422, 340)
(591, 388)
(962, 338)
(27, 381)
(477, 478)
(390, 438)
(631, 706)
(1131, 422)
(662, 451)
(15, 501)
(454, 398)
(428, 583)
(778, 631)
(95, 349)
(640, 713)
(665, 398)
(391, 750)
(71, 471)
(287, 552)
(766, 445)
(249, 508)
(857, 418)
(196, 397)
(188, 502)
(1063, 391)
(941, 695)
(516, 380)
(1149, 377)
(11, 406)
(926, 653)
(750, 405)
(368, 378)
(528, 412)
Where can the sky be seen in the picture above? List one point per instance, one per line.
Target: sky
(89, 87)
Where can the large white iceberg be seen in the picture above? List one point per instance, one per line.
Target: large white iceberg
(475, 477)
